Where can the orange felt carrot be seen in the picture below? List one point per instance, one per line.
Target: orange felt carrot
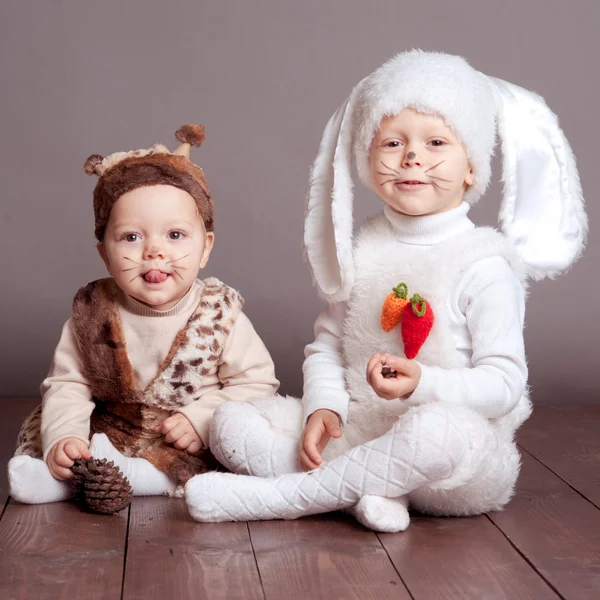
(393, 306)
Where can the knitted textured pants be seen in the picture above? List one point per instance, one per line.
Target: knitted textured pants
(427, 445)
(258, 437)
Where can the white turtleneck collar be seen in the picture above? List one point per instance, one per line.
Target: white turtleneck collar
(430, 229)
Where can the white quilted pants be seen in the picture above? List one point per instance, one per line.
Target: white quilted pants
(258, 437)
(428, 445)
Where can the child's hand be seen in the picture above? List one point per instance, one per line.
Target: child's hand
(408, 375)
(178, 431)
(322, 425)
(63, 454)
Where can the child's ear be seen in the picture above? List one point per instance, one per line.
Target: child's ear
(102, 252)
(469, 177)
(209, 241)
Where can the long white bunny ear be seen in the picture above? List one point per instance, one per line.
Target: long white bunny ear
(328, 221)
(542, 210)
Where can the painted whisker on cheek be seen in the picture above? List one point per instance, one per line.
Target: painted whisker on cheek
(437, 185)
(435, 166)
(440, 178)
(132, 268)
(433, 177)
(175, 260)
(390, 180)
(175, 272)
(391, 168)
(138, 275)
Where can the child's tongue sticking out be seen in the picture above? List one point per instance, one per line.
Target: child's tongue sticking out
(155, 276)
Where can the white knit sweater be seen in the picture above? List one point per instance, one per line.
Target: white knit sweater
(486, 317)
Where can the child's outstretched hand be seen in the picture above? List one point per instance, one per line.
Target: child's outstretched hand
(403, 383)
(178, 431)
(321, 426)
(63, 455)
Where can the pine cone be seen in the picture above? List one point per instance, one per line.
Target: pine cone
(100, 486)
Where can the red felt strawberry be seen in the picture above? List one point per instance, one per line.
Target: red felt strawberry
(417, 321)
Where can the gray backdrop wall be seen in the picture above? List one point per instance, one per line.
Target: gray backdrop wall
(81, 77)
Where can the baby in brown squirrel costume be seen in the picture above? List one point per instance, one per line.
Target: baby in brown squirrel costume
(150, 352)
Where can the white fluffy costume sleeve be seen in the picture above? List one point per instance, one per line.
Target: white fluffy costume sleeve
(448, 449)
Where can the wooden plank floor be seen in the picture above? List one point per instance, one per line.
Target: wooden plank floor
(546, 544)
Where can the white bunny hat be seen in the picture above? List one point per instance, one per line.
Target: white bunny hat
(542, 210)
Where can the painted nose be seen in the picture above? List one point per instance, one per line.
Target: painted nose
(154, 252)
(410, 159)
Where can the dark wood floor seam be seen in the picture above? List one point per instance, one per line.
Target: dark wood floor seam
(125, 551)
(524, 557)
(4, 508)
(393, 565)
(559, 477)
(262, 587)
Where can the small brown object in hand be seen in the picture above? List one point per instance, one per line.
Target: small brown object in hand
(388, 373)
(100, 486)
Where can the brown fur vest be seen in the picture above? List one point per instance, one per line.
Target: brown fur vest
(129, 415)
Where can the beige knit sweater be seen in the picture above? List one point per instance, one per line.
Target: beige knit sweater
(245, 371)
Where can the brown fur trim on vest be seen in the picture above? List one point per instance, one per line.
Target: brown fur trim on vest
(102, 342)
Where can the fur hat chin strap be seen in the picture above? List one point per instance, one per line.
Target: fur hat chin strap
(542, 210)
(328, 222)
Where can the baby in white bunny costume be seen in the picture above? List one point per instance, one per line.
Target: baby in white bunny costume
(430, 403)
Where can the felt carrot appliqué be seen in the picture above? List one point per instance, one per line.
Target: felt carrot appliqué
(417, 322)
(393, 306)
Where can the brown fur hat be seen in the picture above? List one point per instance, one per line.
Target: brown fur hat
(122, 172)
